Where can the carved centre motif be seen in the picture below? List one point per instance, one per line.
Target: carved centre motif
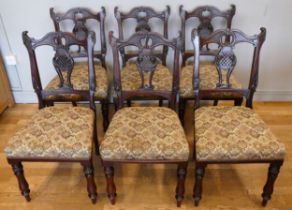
(63, 64)
(225, 60)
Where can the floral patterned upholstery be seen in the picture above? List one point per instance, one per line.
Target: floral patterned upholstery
(54, 132)
(208, 79)
(131, 80)
(234, 133)
(145, 133)
(79, 79)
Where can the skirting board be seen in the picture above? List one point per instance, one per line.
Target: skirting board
(30, 96)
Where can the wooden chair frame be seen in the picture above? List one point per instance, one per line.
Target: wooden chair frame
(142, 15)
(206, 27)
(237, 37)
(145, 51)
(52, 39)
(79, 16)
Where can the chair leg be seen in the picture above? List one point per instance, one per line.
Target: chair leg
(273, 172)
(238, 102)
(182, 109)
(129, 103)
(215, 103)
(95, 136)
(74, 103)
(22, 183)
(104, 109)
(110, 188)
(160, 102)
(180, 188)
(89, 174)
(199, 173)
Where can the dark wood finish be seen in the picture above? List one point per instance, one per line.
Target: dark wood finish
(146, 42)
(147, 59)
(142, 15)
(205, 15)
(226, 59)
(80, 17)
(64, 64)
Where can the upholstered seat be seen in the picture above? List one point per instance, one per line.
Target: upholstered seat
(208, 80)
(56, 133)
(145, 133)
(131, 80)
(234, 133)
(79, 80)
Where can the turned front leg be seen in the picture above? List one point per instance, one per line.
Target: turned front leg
(91, 187)
(22, 183)
(111, 188)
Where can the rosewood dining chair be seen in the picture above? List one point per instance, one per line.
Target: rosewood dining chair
(145, 135)
(143, 17)
(232, 134)
(206, 16)
(57, 133)
(82, 21)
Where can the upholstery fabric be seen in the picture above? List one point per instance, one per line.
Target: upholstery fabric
(54, 132)
(234, 133)
(145, 133)
(208, 79)
(79, 79)
(131, 80)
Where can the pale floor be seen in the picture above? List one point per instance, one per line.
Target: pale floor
(147, 187)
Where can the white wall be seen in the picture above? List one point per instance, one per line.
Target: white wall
(276, 60)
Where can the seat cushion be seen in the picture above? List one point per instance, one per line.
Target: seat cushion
(145, 133)
(54, 132)
(131, 80)
(79, 79)
(234, 133)
(208, 79)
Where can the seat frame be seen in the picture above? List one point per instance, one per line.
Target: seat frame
(237, 37)
(79, 16)
(145, 91)
(52, 39)
(207, 26)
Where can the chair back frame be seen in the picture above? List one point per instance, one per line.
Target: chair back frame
(225, 60)
(205, 15)
(80, 16)
(142, 15)
(146, 62)
(64, 64)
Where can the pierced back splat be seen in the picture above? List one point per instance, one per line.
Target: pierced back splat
(63, 63)
(80, 30)
(225, 60)
(146, 63)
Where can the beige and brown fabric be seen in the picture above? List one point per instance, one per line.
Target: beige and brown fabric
(234, 133)
(54, 132)
(79, 80)
(208, 79)
(131, 80)
(145, 133)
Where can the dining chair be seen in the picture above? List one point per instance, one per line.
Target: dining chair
(145, 135)
(232, 134)
(80, 21)
(57, 133)
(206, 16)
(143, 17)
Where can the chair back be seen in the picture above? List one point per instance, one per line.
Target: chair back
(205, 15)
(142, 15)
(80, 18)
(146, 61)
(225, 61)
(63, 63)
